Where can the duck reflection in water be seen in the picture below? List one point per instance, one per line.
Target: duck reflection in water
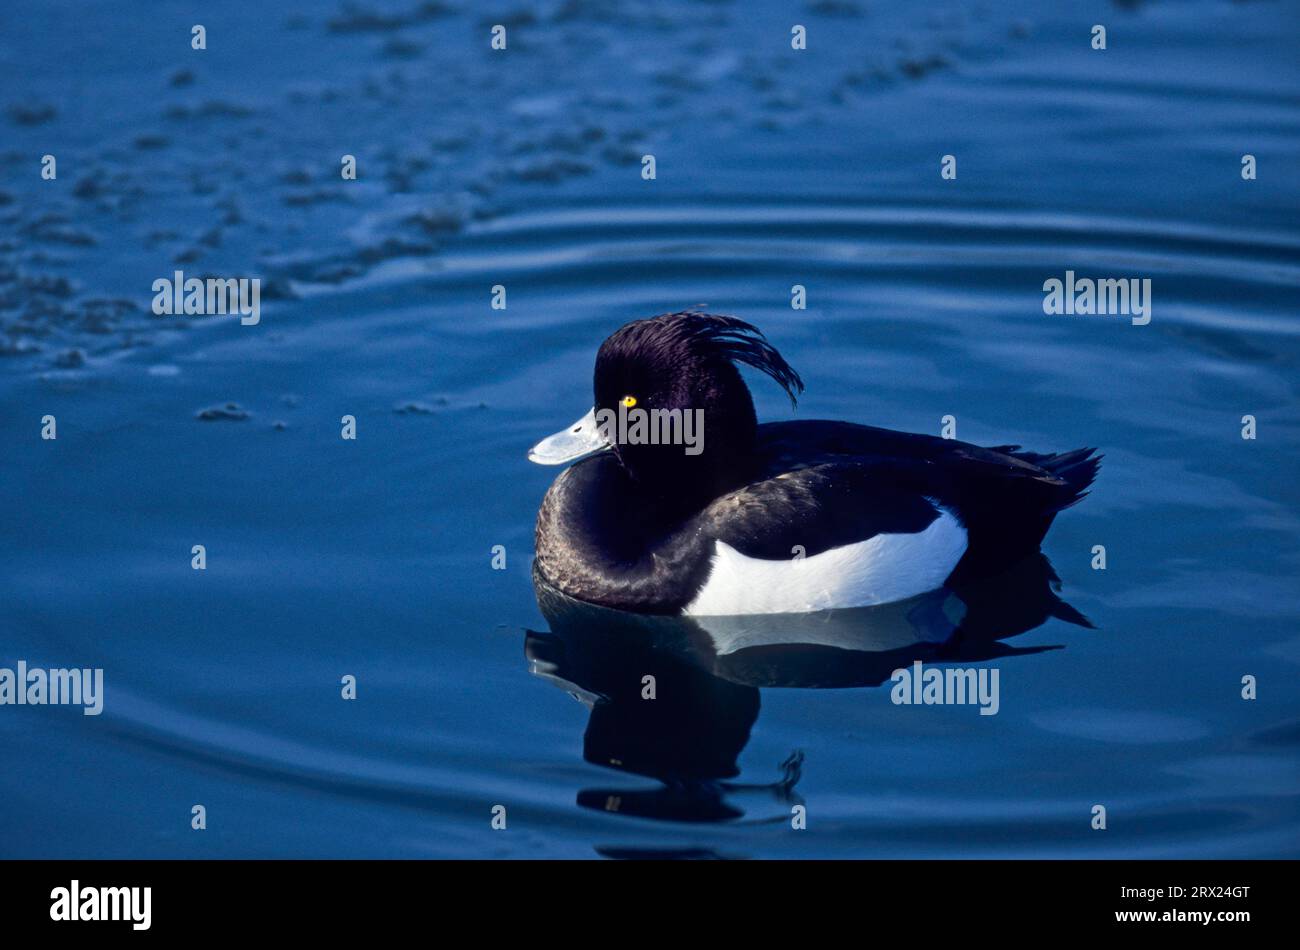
(705, 674)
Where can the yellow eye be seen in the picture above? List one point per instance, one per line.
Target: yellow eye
(628, 401)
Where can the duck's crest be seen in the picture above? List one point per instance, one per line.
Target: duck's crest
(731, 339)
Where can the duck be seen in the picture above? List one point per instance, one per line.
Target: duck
(676, 500)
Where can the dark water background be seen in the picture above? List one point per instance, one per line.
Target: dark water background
(373, 558)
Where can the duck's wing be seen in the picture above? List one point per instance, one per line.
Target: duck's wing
(837, 534)
(810, 509)
(1006, 498)
(789, 445)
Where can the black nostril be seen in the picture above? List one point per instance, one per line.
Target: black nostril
(579, 429)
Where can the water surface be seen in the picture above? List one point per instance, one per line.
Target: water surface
(373, 557)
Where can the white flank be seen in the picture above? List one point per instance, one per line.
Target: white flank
(880, 570)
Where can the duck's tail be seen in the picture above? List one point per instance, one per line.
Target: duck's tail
(1076, 469)
(1011, 517)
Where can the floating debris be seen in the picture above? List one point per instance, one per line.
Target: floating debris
(356, 18)
(70, 359)
(417, 408)
(33, 113)
(231, 411)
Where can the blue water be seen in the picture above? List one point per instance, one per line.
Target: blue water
(373, 557)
